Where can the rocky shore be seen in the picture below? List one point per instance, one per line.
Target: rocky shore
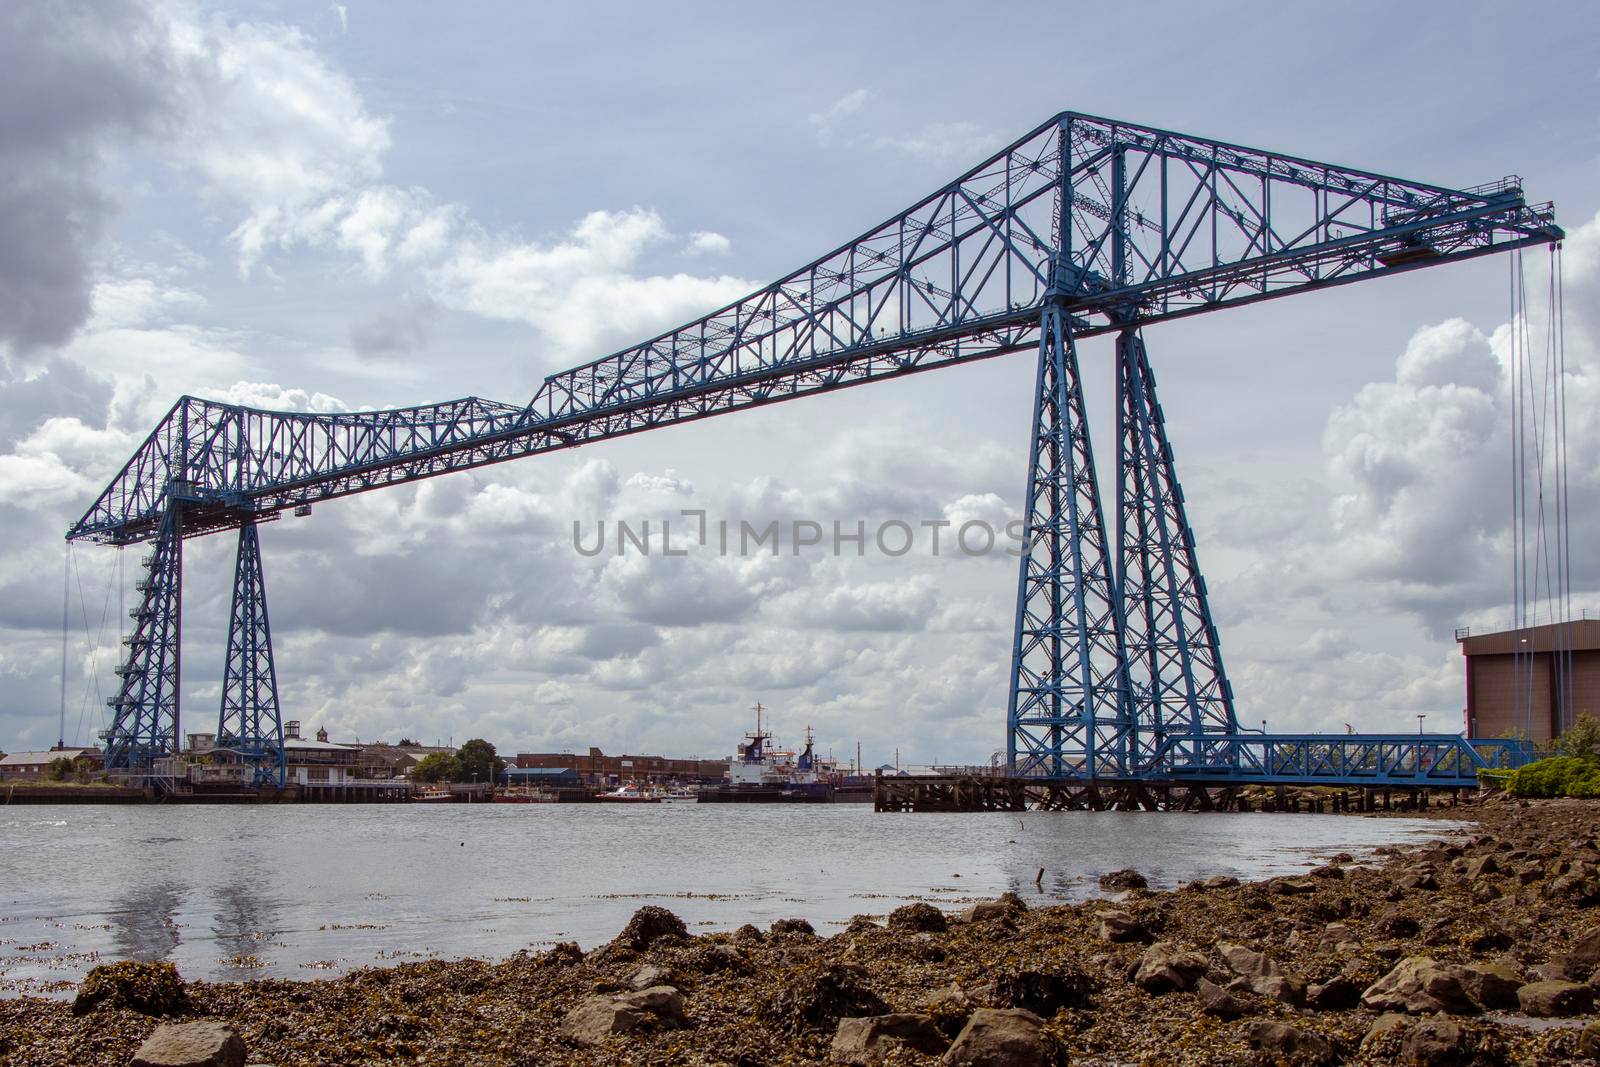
(1482, 948)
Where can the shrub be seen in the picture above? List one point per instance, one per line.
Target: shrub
(1558, 776)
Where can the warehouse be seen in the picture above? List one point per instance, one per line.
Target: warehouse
(1533, 682)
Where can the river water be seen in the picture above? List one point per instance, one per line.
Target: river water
(309, 891)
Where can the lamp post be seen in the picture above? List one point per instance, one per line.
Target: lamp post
(1424, 715)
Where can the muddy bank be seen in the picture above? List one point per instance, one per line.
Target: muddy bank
(1438, 952)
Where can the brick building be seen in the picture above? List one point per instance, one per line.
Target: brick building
(1519, 681)
(597, 768)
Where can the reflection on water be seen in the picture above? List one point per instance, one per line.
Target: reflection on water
(243, 924)
(144, 921)
(302, 891)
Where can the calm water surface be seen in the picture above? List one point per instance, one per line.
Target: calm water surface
(308, 891)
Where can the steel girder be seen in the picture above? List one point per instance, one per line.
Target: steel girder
(1445, 761)
(145, 723)
(1127, 225)
(1082, 227)
(249, 724)
(1066, 715)
(1176, 681)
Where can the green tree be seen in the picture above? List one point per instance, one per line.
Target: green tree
(1583, 740)
(478, 762)
(60, 767)
(437, 767)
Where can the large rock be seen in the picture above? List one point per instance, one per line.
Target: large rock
(1420, 986)
(1263, 974)
(1585, 950)
(647, 976)
(988, 911)
(869, 1040)
(1579, 889)
(1437, 1042)
(1000, 1037)
(1247, 962)
(1127, 878)
(1281, 1039)
(1214, 1000)
(594, 1019)
(1555, 1000)
(1166, 968)
(147, 988)
(662, 1001)
(597, 1018)
(1120, 928)
(789, 926)
(1492, 985)
(207, 1043)
(1283, 987)
(1589, 1041)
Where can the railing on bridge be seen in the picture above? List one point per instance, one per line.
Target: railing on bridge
(1438, 761)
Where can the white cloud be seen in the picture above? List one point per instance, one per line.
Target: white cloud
(848, 105)
(958, 143)
(707, 244)
(579, 290)
(61, 462)
(272, 126)
(134, 301)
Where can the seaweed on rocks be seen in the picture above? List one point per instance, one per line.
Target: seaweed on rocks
(648, 925)
(147, 988)
(918, 918)
(816, 997)
(1044, 992)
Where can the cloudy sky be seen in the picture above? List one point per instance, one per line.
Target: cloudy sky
(338, 206)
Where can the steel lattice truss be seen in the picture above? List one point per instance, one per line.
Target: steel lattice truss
(145, 723)
(1066, 714)
(249, 725)
(1084, 226)
(1176, 682)
(1133, 225)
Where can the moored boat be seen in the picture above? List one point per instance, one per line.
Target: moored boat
(628, 794)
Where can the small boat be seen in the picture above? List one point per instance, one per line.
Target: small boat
(628, 794)
(683, 793)
(434, 796)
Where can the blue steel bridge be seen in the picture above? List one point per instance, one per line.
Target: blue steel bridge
(1082, 227)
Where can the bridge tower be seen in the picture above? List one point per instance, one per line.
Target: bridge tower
(1176, 683)
(144, 726)
(250, 723)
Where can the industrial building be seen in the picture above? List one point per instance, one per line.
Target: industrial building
(597, 769)
(35, 766)
(1533, 682)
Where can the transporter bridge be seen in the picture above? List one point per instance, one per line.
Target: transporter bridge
(1085, 226)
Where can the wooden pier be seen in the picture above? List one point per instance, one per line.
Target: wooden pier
(962, 793)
